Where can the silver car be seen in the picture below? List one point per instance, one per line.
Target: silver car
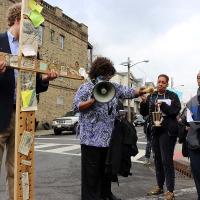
(68, 122)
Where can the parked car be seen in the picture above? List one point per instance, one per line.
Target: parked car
(68, 122)
(139, 121)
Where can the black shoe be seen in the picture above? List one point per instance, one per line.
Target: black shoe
(111, 197)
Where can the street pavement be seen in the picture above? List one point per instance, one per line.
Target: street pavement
(182, 164)
(57, 166)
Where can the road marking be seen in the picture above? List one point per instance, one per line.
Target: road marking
(61, 153)
(138, 156)
(57, 138)
(141, 137)
(40, 147)
(141, 142)
(74, 140)
(38, 144)
(57, 150)
(177, 193)
(63, 149)
(139, 132)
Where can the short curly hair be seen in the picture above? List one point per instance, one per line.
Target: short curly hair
(14, 12)
(101, 66)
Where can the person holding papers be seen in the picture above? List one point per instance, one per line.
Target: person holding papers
(164, 134)
(191, 120)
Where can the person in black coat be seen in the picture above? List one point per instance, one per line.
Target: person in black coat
(9, 43)
(192, 128)
(163, 137)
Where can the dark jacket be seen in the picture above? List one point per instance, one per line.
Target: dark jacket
(7, 87)
(193, 136)
(169, 123)
(122, 147)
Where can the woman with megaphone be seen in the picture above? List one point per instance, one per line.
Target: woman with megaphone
(97, 100)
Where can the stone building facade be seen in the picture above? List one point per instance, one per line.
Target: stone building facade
(63, 41)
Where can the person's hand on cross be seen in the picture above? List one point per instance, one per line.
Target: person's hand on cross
(2, 66)
(52, 74)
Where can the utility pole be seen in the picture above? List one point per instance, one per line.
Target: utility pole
(129, 85)
(129, 65)
(172, 82)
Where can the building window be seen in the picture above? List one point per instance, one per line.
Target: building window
(40, 35)
(52, 35)
(62, 39)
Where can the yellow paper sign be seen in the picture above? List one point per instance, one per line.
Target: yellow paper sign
(27, 97)
(36, 18)
(34, 6)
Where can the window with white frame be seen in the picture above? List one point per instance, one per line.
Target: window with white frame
(52, 35)
(62, 39)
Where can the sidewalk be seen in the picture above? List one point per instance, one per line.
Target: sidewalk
(182, 164)
(44, 132)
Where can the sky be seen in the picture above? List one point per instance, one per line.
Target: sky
(167, 33)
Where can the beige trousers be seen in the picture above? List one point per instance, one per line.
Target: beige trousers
(7, 143)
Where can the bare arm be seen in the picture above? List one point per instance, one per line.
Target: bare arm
(86, 104)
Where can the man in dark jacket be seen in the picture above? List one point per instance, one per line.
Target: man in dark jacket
(163, 137)
(9, 43)
(193, 135)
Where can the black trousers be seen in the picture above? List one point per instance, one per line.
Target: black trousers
(163, 147)
(195, 166)
(95, 184)
(148, 146)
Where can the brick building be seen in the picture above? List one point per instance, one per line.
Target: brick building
(62, 40)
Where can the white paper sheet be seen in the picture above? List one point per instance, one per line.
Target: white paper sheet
(167, 101)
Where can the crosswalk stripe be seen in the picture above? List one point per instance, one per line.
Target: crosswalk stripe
(138, 156)
(140, 137)
(63, 149)
(47, 138)
(139, 132)
(40, 146)
(141, 142)
(61, 153)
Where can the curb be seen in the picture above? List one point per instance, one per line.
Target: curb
(183, 167)
(43, 132)
(181, 164)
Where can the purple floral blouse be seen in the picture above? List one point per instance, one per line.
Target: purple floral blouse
(96, 122)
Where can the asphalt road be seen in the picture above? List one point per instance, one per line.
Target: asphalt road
(57, 166)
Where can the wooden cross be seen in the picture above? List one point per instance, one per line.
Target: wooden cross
(27, 65)
(30, 64)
